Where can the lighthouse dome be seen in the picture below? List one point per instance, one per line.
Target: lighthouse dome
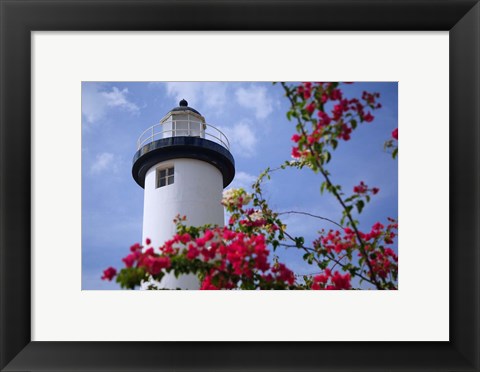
(183, 106)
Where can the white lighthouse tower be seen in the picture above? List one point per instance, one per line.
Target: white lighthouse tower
(183, 164)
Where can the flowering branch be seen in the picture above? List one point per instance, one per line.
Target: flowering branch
(317, 160)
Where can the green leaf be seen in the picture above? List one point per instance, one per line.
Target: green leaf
(353, 197)
(322, 187)
(360, 204)
(323, 265)
(299, 241)
(353, 123)
(353, 271)
(308, 257)
(328, 156)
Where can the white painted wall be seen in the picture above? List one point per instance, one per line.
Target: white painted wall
(195, 193)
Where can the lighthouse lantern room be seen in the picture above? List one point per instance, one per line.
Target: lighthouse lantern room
(183, 165)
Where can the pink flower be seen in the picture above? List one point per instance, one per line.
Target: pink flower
(185, 238)
(322, 278)
(207, 284)
(395, 133)
(135, 247)
(310, 108)
(307, 93)
(284, 274)
(295, 153)
(129, 260)
(156, 264)
(361, 188)
(368, 117)
(193, 252)
(377, 226)
(208, 235)
(341, 281)
(336, 95)
(149, 252)
(228, 234)
(324, 118)
(109, 273)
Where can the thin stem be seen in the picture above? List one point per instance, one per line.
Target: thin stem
(338, 262)
(311, 215)
(336, 194)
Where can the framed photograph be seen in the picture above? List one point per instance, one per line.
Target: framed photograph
(202, 155)
(64, 61)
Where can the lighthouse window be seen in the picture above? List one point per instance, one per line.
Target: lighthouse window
(165, 177)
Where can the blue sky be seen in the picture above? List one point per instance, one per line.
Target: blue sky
(252, 115)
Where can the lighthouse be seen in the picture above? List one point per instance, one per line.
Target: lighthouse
(183, 164)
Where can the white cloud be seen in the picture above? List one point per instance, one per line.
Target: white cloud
(243, 180)
(188, 91)
(102, 162)
(96, 103)
(199, 95)
(117, 98)
(215, 95)
(255, 98)
(242, 138)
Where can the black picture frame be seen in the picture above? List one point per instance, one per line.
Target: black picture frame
(18, 18)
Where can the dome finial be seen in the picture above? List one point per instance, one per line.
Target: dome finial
(183, 103)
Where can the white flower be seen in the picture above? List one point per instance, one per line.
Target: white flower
(257, 215)
(233, 196)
